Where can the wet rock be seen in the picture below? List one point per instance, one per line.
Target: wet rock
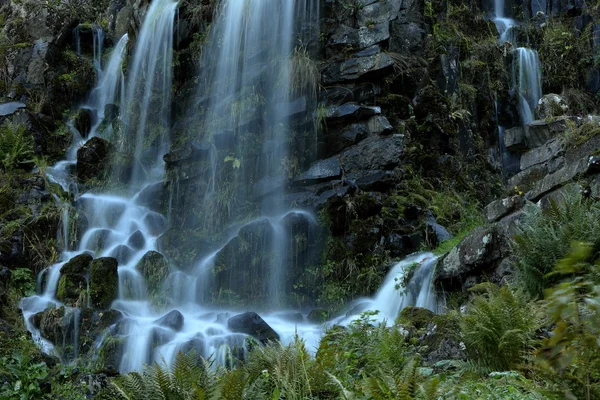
(136, 240)
(111, 112)
(377, 180)
(72, 284)
(500, 208)
(377, 12)
(82, 121)
(198, 344)
(252, 324)
(172, 320)
(239, 265)
(480, 252)
(98, 239)
(155, 269)
(379, 125)
(551, 105)
(122, 253)
(338, 139)
(354, 68)
(109, 318)
(104, 282)
(154, 196)
(318, 316)
(155, 223)
(93, 158)
(321, 171)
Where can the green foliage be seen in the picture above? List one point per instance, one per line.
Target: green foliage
(498, 329)
(544, 237)
(304, 74)
(23, 281)
(577, 135)
(573, 314)
(16, 145)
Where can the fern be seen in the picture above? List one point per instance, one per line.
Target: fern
(16, 146)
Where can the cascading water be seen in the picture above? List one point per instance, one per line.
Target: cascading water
(528, 82)
(242, 99)
(526, 72)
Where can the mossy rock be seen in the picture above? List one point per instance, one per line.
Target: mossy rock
(318, 316)
(71, 289)
(416, 317)
(104, 282)
(77, 265)
(154, 268)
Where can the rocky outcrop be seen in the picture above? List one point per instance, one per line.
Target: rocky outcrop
(252, 324)
(104, 282)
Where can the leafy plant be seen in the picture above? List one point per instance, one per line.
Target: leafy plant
(23, 281)
(497, 329)
(545, 236)
(16, 145)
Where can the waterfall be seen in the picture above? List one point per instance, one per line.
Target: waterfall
(528, 82)
(249, 94)
(145, 119)
(504, 24)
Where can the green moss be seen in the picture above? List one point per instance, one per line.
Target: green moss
(104, 282)
(416, 317)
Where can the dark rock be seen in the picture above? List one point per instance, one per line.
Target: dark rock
(82, 121)
(379, 125)
(373, 34)
(373, 153)
(104, 282)
(440, 233)
(321, 171)
(292, 316)
(136, 240)
(77, 265)
(98, 239)
(154, 196)
(155, 222)
(344, 36)
(252, 324)
(93, 158)
(111, 112)
(500, 208)
(354, 68)
(318, 316)
(378, 12)
(155, 269)
(406, 37)
(377, 180)
(350, 111)
(5, 280)
(172, 320)
(122, 253)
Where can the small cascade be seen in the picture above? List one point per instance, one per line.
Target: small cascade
(504, 25)
(527, 78)
(106, 92)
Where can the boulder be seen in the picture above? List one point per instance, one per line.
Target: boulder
(172, 320)
(551, 105)
(154, 267)
(477, 254)
(514, 139)
(82, 121)
(10, 108)
(373, 34)
(252, 324)
(104, 282)
(72, 284)
(440, 233)
(378, 12)
(415, 317)
(349, 112)
(122, 253)
(136, 240)
(93, 158)
(500, 208)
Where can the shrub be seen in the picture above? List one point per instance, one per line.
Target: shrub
(497, 329)
(16, 146)
(544, 237)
